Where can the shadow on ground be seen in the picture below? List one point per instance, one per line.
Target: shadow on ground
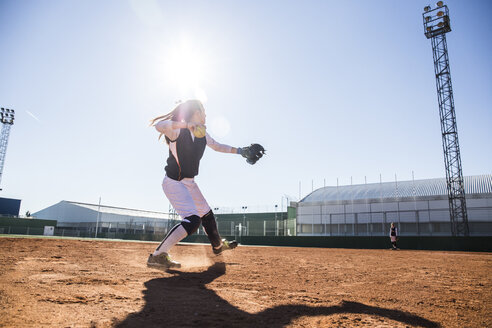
(183, 300)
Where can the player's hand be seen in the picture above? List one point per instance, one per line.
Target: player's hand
(192, 126)
(199, 130)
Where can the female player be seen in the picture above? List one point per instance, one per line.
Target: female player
(184, 131)
(393, 236)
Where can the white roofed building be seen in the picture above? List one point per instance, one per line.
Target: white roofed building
(108, 218)
(419, 208)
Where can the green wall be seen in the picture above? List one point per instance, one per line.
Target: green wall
(10, 225)
(478, 244)
(32, 223)
(475, 244)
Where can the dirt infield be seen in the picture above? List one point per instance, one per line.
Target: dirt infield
(76, 283)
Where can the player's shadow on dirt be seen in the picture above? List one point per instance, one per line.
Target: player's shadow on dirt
(183, 300)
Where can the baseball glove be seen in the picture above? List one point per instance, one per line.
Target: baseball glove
(252, 153)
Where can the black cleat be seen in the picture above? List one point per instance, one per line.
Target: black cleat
(225, 246)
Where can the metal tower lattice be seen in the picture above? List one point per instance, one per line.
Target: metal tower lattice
(436, 25)
(7, 120)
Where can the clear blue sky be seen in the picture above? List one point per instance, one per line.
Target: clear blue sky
(332, 89)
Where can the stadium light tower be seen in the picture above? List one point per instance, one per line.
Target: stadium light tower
(7, 119)
(436, 25)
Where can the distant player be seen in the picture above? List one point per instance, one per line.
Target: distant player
(393, 235)
(185, 133)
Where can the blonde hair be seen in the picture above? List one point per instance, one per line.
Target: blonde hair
(182, 113)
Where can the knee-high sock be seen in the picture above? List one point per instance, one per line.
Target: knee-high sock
(187, 227)
(208, 222)
(177, 233)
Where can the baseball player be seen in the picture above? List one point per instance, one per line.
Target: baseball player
(393, 235)
(185, 133)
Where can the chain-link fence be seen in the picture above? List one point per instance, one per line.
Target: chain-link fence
(237, 227)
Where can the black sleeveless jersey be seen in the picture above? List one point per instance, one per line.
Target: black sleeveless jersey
(189, 154)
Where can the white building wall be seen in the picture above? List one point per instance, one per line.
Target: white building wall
(374, 217)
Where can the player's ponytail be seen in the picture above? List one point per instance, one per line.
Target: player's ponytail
(182, 113)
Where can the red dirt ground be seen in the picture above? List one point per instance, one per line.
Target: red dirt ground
(77, 283)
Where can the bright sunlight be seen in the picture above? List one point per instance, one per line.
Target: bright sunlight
(186, 68)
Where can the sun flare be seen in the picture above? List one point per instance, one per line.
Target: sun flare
(186, 68)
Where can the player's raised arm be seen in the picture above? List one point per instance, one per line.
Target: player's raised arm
(170, 128)
(220, 147)
(252, 153)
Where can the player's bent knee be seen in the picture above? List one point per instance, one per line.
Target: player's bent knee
(191, 224)
(210, 225)
(208, 218)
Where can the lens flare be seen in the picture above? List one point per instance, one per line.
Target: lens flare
(220, 127)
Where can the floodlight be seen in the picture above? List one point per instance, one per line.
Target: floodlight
(454, 174)
(427, 18)
(427, 8)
